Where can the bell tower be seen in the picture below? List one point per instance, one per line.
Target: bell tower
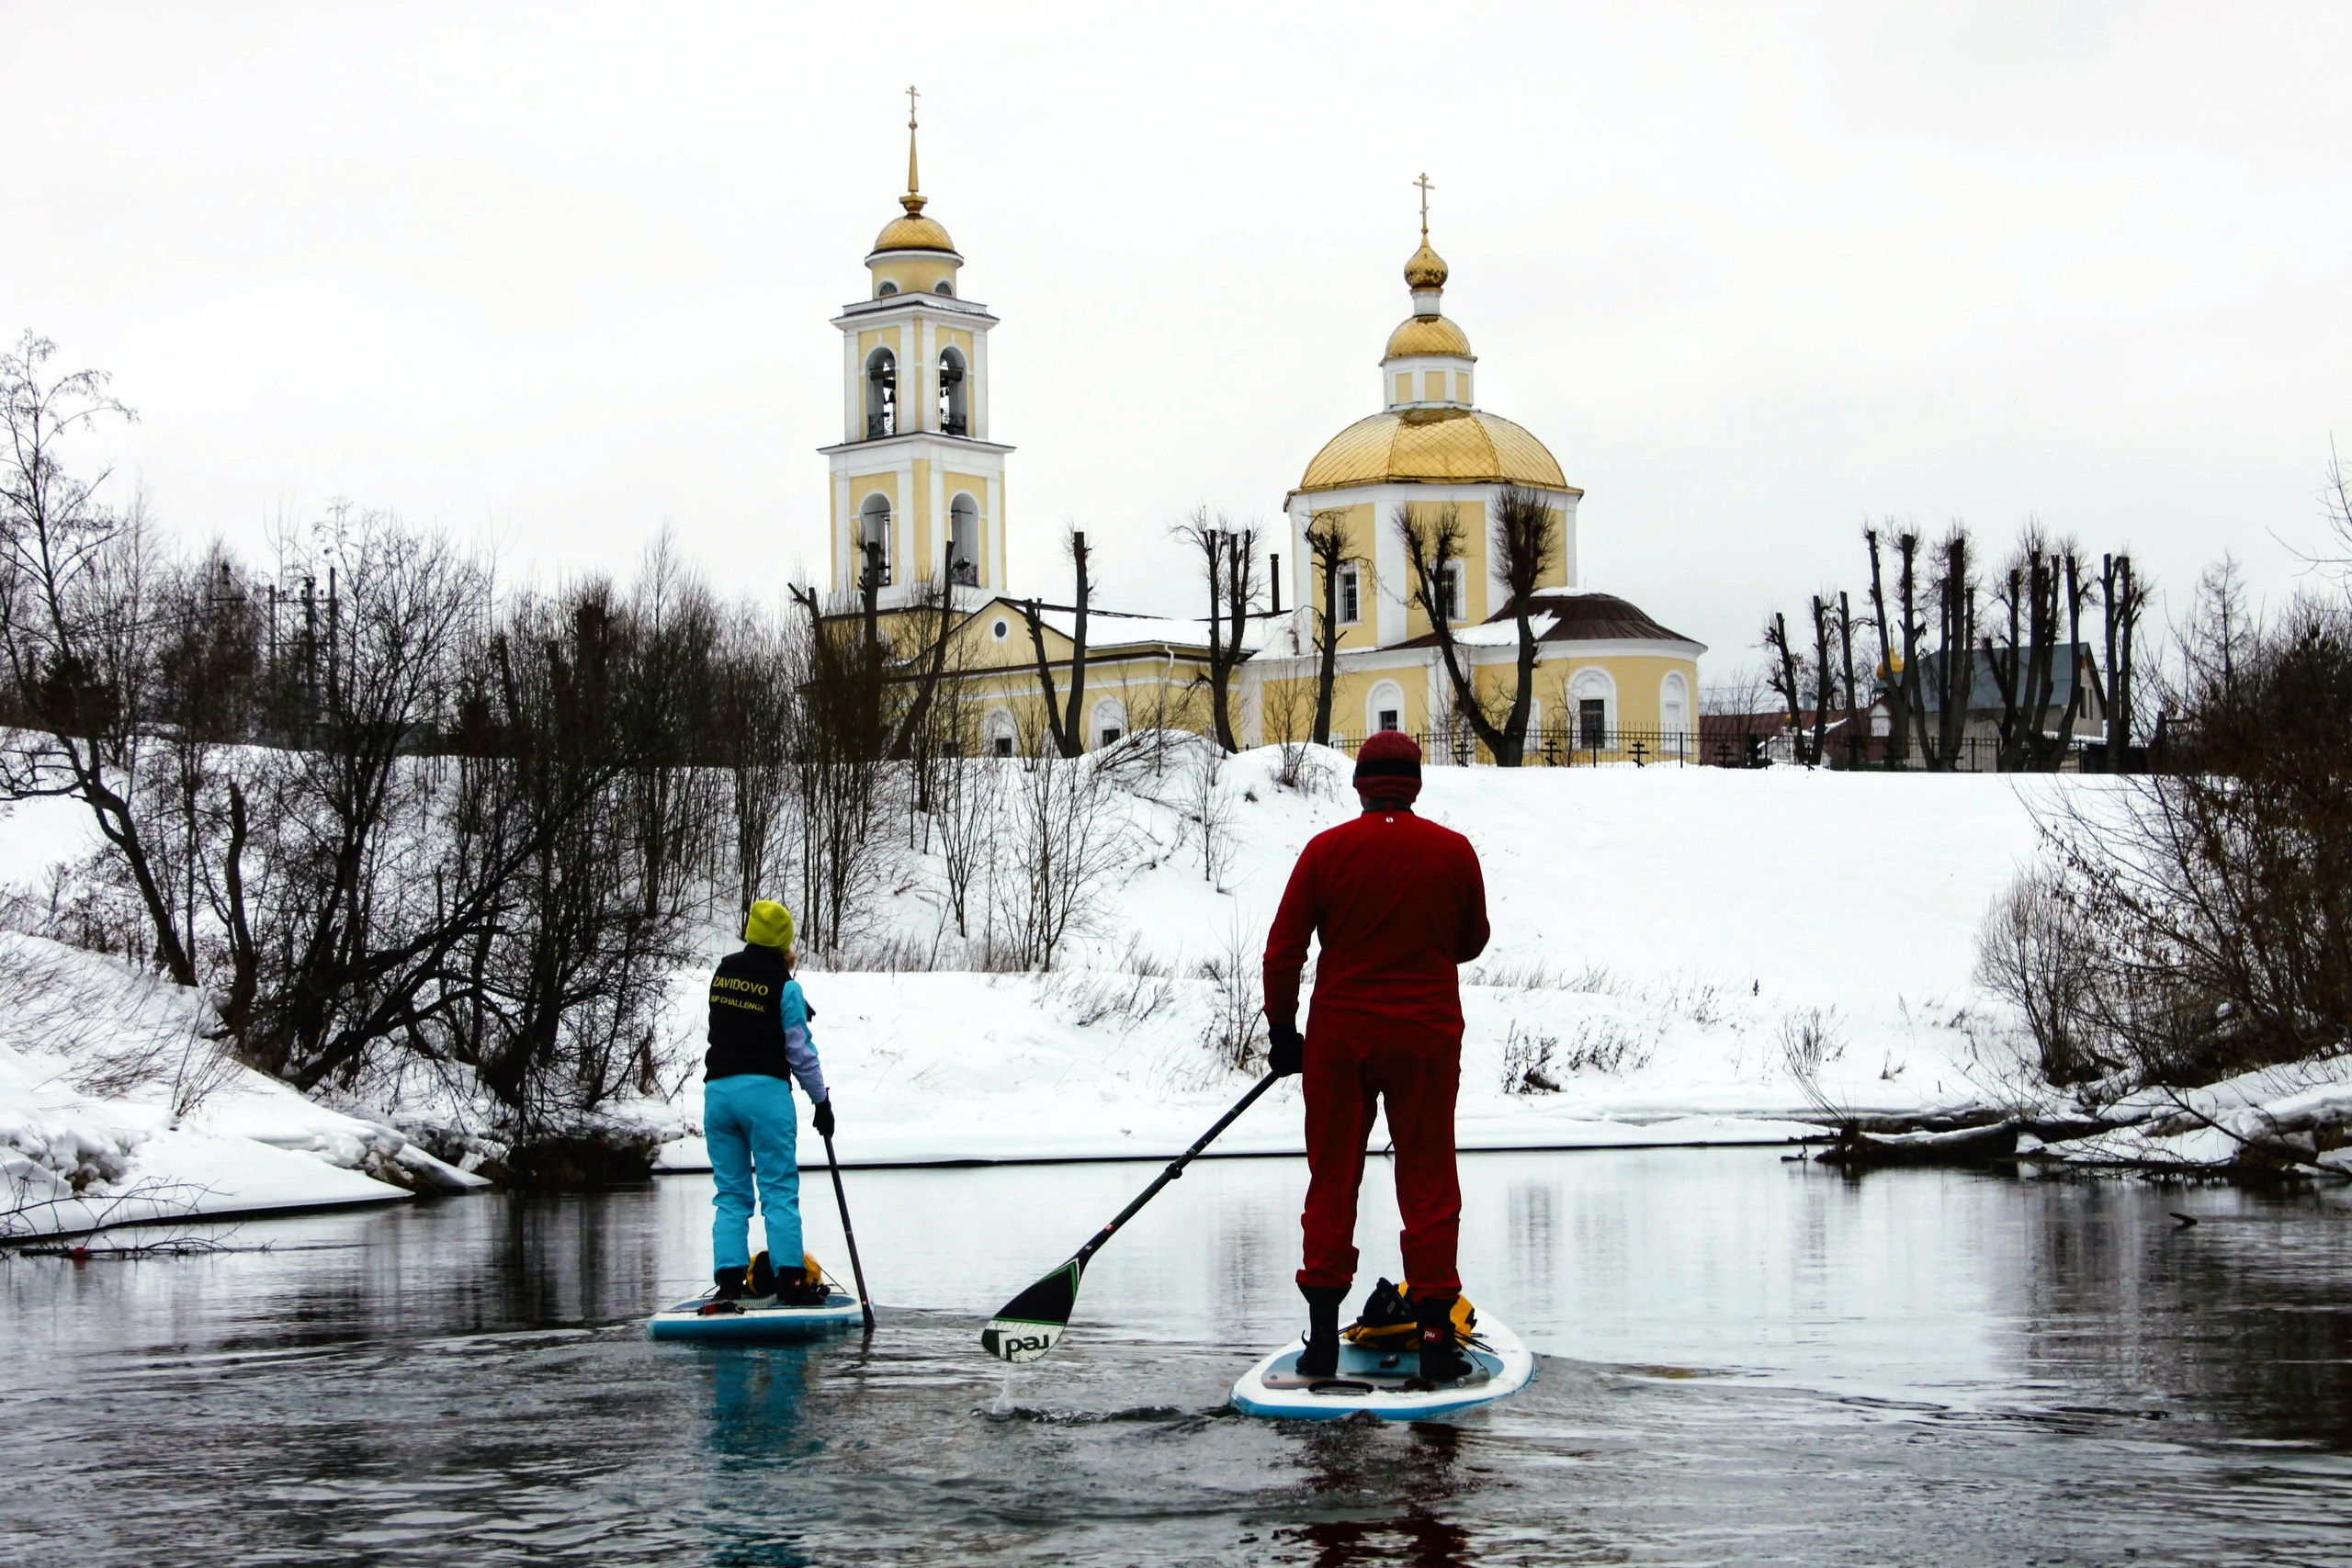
(918, 487)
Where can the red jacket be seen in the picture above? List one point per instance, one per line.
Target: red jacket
(1398, 902)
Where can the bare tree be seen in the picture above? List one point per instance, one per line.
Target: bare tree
(1230, 568)
(1895, 673)
(1825, 681)
(968, 808)
(1210, 805)
(2041, 592)
(1780, 673)
(1065, 722)
(77, 581)
(1952, 585)
(1855, 737)
(756, 677)
(2123, 597)
(1066, 843)
(1327, 546)
(1526, 535)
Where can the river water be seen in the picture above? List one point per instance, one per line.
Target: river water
(1744, 1361)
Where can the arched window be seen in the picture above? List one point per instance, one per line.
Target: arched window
(881, 394)
(1002, 732)
(1592, 697)
(1110, 722)
(1673, 706)
(1385, 709)
(964, 535)
(873, 539)
(944, 287)
(887, 290)
(953, 416)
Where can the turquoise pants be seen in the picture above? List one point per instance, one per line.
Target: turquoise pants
(750, 1121)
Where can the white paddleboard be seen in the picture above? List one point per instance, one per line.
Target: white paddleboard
(1376, 1380)
(760, 1325)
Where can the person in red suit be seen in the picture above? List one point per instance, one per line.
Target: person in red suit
(1396, 902)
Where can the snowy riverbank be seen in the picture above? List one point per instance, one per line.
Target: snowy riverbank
(1683, 956)
(113, 1109)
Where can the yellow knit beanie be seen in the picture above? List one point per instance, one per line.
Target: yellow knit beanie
(770, 925)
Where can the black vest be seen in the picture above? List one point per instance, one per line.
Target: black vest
(747, 1015)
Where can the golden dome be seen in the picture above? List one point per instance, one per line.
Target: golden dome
(1427, 334)
(1440, 445)
(912, 231)
(1427, 269)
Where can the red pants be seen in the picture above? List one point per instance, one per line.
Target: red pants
(1414, 1069)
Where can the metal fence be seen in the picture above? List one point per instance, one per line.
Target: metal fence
(1574, 746)
(1712, 746)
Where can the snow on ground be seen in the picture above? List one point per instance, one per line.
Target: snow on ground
(1685, 955)
(113, 1109)
(1708, 956)
(2297, 1114)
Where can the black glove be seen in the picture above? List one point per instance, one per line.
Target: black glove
(1285, 1049)
(824, 1118)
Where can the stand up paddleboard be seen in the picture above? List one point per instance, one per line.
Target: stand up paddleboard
(1383, 1382)
(756, 1326)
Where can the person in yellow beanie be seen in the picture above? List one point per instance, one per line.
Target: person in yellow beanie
(759, 1046)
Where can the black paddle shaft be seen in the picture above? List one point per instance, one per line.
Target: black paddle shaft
(1175, 1169)
(856, 1269)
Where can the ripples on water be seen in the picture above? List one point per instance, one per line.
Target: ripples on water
(1744, 1362)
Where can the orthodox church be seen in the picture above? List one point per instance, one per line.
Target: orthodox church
(918, 498)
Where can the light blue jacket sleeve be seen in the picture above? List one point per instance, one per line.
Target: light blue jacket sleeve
(800, 1050)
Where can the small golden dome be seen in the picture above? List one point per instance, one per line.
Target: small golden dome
(1426, 269)
(1427, 334)
(912, 231)
(1437, 446)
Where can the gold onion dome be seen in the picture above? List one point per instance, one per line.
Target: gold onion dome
(1427, 269)
(1433, 445)
(912, 231)
(1427, 334)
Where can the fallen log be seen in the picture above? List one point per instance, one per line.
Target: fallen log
(1856, 1149)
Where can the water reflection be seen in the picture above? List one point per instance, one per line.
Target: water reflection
(1743, 1359)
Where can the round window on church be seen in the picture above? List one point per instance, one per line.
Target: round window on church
(942, 287)
(887, 290)
(1000, 631)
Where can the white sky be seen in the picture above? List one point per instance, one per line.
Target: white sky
(553, 276)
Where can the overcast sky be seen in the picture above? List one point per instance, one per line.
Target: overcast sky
(552, 277)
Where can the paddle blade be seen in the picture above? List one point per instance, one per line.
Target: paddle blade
(1030, 1322)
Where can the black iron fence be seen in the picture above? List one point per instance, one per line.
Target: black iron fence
(1714, 746)
(1574, 747)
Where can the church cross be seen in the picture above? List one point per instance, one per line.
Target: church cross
(911, 108)
(1426, 188)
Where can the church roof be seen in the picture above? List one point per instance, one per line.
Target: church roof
(1433, 445)
(1559, 616)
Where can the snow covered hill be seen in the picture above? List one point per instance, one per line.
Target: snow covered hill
(1680, 954)
(1687, 954)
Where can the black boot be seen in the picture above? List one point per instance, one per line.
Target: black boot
(1321, 1356)
(728, 1293)
(795, 1289)
(1442, 1357)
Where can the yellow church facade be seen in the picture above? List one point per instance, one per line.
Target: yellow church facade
(917, 483)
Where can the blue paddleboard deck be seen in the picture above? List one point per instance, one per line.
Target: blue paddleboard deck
(1385, 1382)
(756, 1326)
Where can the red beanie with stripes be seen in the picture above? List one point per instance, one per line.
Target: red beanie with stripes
(1388, 769)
